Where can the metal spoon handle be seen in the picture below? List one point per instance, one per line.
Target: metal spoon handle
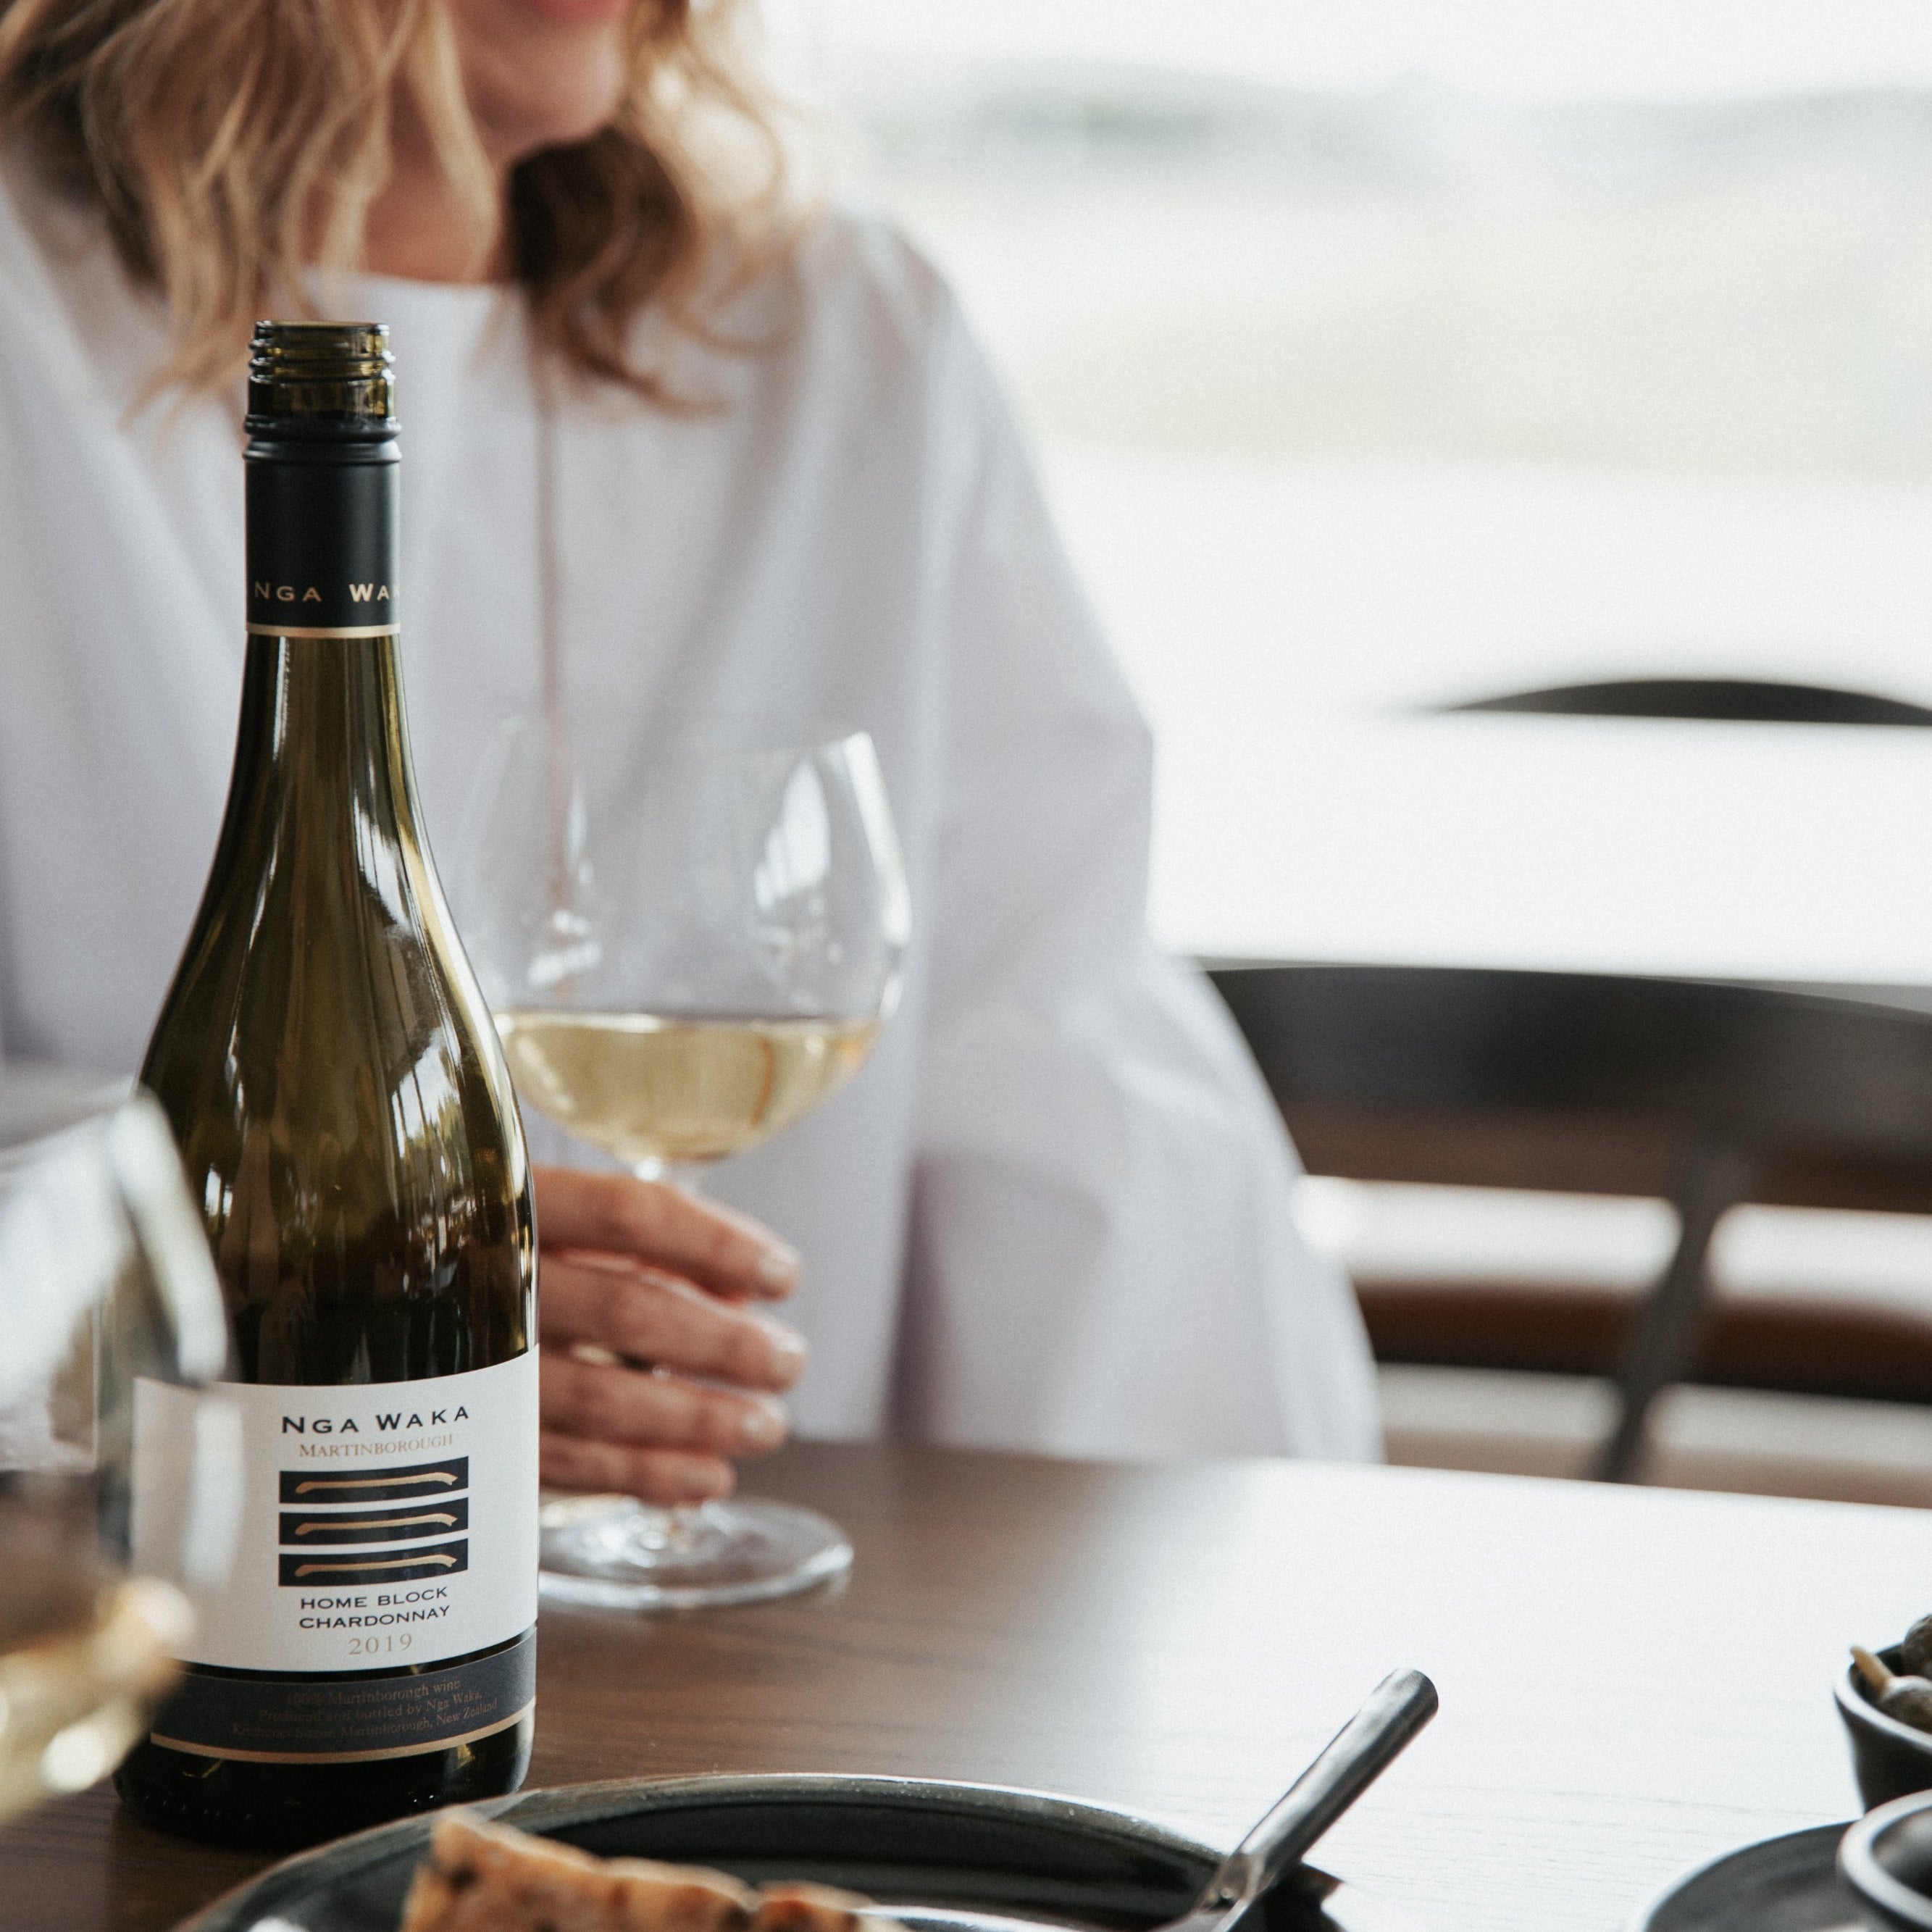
(1364, 1748)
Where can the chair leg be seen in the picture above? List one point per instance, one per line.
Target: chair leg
(1714, 1177)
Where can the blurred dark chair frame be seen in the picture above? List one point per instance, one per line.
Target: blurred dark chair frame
(1733, 701)
(1706, 1095)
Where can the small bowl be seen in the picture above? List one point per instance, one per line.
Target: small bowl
(1890, 1759)
(1886, 1858)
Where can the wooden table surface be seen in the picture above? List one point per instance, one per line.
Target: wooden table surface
(1631, 1679)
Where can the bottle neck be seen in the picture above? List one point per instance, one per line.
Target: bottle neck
(322, 734)
(322, 524)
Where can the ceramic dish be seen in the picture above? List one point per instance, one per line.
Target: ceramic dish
(1885, 1861)
(958, 1858)
(1890, 1759)
(1789, 1884)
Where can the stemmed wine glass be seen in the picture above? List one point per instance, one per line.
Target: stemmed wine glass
(108, 1297)
(686, 950)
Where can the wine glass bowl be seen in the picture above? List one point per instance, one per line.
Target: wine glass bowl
(686, 950)
(660, 1092)
(85, 1657)
(683, 958)
(106, 1283)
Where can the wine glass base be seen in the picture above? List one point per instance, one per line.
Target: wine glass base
(616, 1553)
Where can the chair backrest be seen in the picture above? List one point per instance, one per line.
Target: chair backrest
(1833, 1097)
(1728, 699)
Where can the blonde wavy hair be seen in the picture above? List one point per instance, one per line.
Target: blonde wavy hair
(233, 145)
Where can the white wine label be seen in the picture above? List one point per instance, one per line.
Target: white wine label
(384, 1525)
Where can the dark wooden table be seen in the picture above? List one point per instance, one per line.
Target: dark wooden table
(1631, 1679)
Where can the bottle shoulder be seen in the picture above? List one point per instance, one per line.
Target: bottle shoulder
(337, 1095)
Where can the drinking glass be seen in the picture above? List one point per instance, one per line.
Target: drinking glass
(686, 949)
(106, 1284)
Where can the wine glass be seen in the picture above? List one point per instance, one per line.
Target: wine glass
(106, 1286)
(686, 947)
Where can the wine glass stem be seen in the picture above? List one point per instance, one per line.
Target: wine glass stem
(687, 1520)
(684, 1174)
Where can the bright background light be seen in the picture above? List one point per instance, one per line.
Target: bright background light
(1532, 48)
(1381, 355)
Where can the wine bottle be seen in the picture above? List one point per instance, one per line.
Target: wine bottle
(346, 1120)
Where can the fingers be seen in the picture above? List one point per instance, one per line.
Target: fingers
(609, 1405)
(656, 1475)
(650, 1316)
(640, 1271)
(726, 1252)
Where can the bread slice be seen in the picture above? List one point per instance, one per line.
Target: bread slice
(797, 1907)
(480, 1877)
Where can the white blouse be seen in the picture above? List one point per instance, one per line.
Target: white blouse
(1054, 1211)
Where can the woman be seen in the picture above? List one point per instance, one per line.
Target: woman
(722, 453)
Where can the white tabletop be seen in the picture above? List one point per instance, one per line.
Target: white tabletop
(1755, 852)
(1285, 626)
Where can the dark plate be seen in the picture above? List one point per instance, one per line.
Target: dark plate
(959, 1857)
(1789, 1884)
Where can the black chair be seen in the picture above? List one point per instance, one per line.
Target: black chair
(1707, 1095)
(1728, 699)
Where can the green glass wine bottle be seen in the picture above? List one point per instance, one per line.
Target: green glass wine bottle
(348, 1126)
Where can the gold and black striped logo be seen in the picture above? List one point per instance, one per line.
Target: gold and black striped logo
(388, 1524)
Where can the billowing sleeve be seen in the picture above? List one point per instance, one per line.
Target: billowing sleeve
(1104, 1258)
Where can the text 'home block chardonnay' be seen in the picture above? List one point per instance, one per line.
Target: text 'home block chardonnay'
(341, 1103)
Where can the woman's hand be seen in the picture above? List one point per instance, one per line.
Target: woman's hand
(655, 1370)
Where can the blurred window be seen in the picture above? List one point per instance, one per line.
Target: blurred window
(1391, 351)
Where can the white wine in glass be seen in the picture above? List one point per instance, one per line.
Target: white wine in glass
(649, 1087)
(106, 1285)
(86, 1656)
(687, 948)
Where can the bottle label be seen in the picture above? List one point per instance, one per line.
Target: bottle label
(383, 1525)
(339, 1720)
